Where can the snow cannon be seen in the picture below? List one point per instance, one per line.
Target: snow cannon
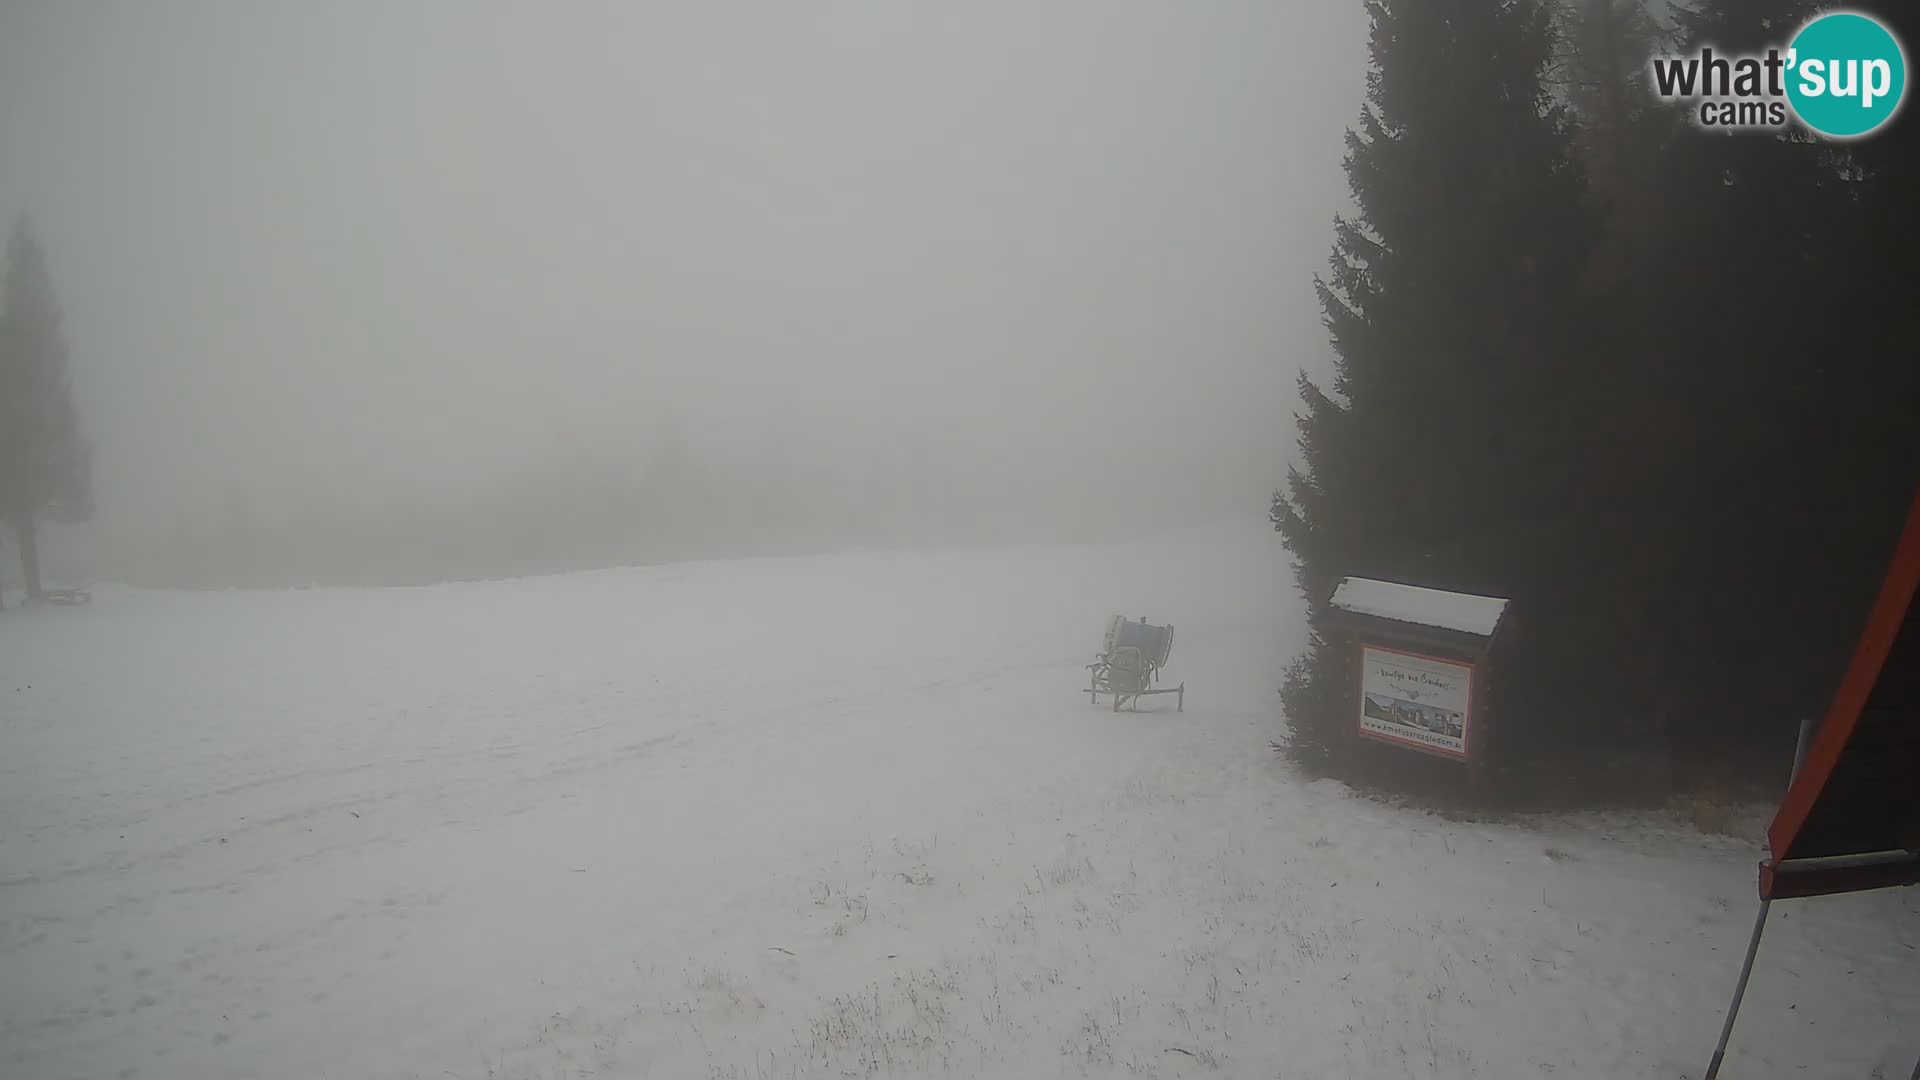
(1128, 667)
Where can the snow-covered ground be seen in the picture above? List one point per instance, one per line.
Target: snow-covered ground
(830, 816)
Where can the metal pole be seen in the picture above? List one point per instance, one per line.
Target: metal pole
(1800, 748)
(1759, 923)
(1739, 991)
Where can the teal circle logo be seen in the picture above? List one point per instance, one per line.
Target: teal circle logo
(1846, 75)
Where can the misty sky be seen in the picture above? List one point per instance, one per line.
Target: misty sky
(326, 252)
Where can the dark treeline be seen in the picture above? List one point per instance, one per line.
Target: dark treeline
(1656, 385)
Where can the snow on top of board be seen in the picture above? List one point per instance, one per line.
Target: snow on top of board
(1468, 614)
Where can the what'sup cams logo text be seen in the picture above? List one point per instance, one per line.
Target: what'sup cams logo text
(1844, 76)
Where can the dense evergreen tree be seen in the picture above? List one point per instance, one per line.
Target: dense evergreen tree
(1786, 360)
(45, 463)
(1439, 452)
(1605, 48)
(1704, 447)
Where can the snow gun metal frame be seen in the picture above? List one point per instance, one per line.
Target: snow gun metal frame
(1128, 667)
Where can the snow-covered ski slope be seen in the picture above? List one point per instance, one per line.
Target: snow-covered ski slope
(846, 815)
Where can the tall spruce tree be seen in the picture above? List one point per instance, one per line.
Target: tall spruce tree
(1622, 136)
(1799, 382)
(1605, 47)
(1445, 451)
(1761, 448)
(1887, 292)
(45, 463)
(1620, 127)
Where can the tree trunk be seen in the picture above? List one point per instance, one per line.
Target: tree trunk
(28, 534)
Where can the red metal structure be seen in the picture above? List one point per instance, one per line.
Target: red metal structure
(1850, 820)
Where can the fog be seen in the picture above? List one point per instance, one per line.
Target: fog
(893, 269)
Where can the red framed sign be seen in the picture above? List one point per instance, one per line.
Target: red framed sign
(1414, 700)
